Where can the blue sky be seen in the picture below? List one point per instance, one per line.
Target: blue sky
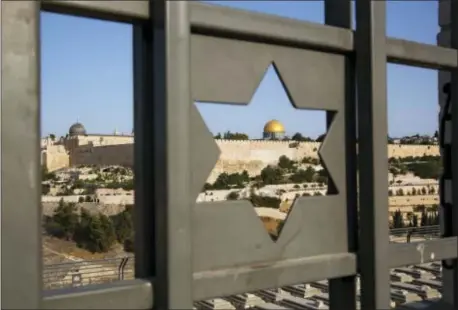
(87, 76)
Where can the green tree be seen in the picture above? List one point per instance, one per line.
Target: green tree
(320, 138)
(100, 234)
(265, 201)
(108, 229)
(46, 175)
(123, 225)
(235, 136)
(271, 175)
(207, 186)
(82, 229)
(398, 220)
(424, 218)
(285, 163)
(301, 175)
(64, 221)
(414, 222)
(129, 245)
(232, 196)
(300, 138)
(45, 189)
(245, 176)
(222, 181)
(426, 170)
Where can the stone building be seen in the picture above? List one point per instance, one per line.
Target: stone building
(72, 149)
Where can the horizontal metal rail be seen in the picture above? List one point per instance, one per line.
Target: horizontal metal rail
(71, 274)
(229, 22)
(402, 254)
(211, 284)
(123, 11)
(130, 294)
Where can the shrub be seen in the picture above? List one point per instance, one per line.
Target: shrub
(232, 196)
(265, 201)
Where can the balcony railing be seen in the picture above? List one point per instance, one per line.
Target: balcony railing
(176, 262)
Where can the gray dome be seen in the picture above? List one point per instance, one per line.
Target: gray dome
(77, 129)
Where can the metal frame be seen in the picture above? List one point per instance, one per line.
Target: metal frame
(167, 38)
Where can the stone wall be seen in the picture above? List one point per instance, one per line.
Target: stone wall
(253, 156)
(103, 140)
(400, 201)
(122, 154)
(236, 155)
(55, 157)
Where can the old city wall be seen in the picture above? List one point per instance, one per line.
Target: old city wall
(404, 150)
(103, 140)
(236, 155)
(55, 157)
(121, 154)
(254, 155)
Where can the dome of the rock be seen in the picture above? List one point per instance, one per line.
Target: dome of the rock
(274, 126)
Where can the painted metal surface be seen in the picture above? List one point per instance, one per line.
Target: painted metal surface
(20, 138)
(192, 251)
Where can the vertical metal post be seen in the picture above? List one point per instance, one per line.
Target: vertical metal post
(454, 144)
(342, 292)
(372, 153)
(144, 216)
(162, 114)
(444, 38)
(20, 154)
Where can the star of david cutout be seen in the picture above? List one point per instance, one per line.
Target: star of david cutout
(273, 211)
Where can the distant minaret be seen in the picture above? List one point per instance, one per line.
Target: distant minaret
(116, 132)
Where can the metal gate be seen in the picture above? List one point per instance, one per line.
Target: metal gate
(180, 259)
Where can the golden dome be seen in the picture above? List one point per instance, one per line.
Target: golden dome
(274, 126)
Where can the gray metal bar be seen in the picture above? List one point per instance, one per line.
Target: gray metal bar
(20, 153)
(236, 280)
(403, 254)
(420, 54)
(342, 291)
(233, 22)
(129, 294)
(144, 213)
(372, 153)
(453, 289)
(172, 107)
(124, 11)
(223, 21)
